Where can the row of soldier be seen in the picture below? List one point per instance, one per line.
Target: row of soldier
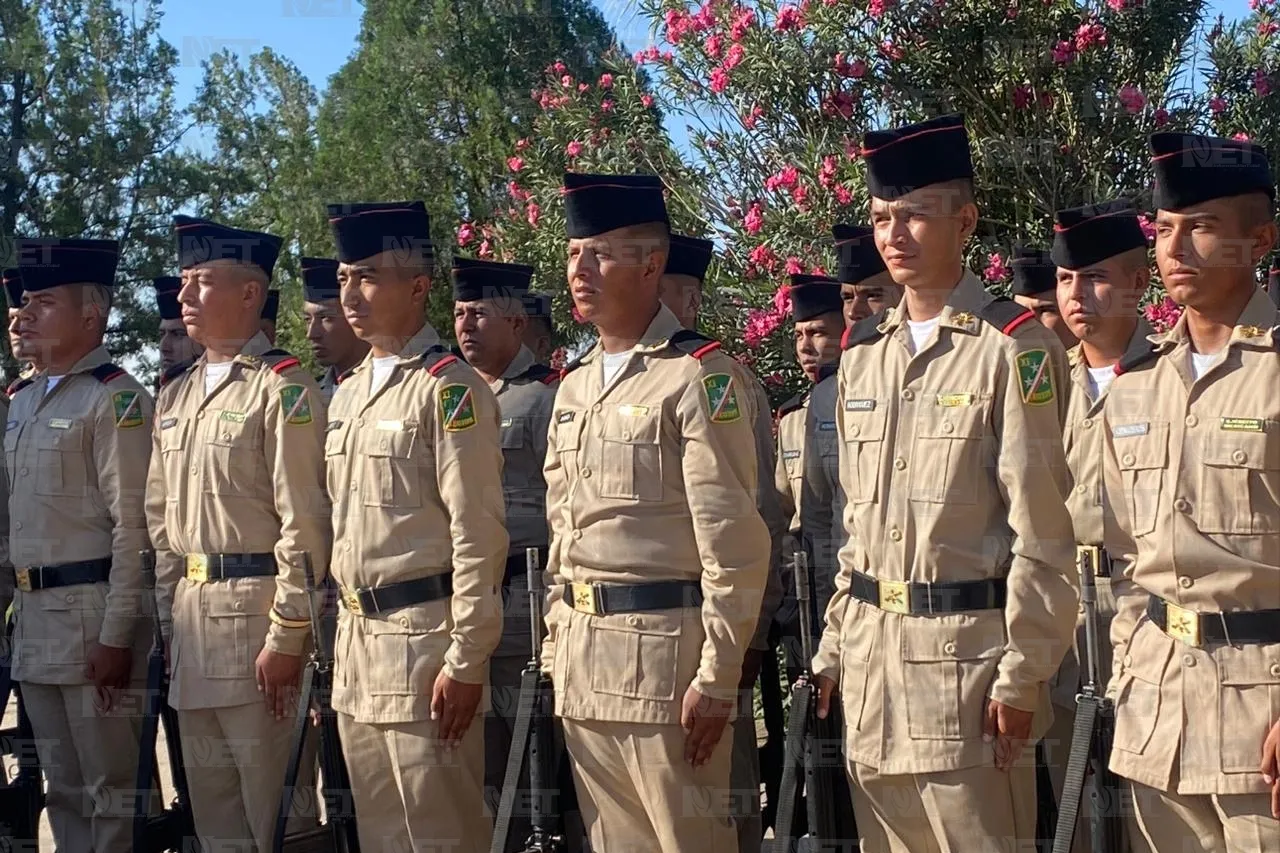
(926, 473)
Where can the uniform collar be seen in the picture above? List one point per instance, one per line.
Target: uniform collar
(522, 362)
(967, 298)
(425, 339)
(253, 350)
(656, 337)
(1253, 326)
(96, 357)
(1139, 342)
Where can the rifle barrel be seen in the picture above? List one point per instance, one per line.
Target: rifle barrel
(534, 572)
(802, 601)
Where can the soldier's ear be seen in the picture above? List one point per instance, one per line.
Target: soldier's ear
(968, 216)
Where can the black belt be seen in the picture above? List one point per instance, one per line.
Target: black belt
(601, 599)
(517, 566)
(1199, 629)
(917, 598)
(1095, 559)
(203, 568)
(368, 600)
(35, 578)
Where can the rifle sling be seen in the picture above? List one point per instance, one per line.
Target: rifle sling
(520, 736)
(1082, 736)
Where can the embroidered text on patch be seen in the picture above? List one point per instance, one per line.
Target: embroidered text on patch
(859, 405)
(1130, 430)
(1243, 425)
(296, 405)
(953, 400)
(1035, 377)
(722, 398)
(457, 411)
(128, 409)
(564, 418)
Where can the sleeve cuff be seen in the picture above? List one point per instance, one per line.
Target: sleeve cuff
(1023, 698)
(466, 674)
(723, 694)
(117, 632)
(286, 641)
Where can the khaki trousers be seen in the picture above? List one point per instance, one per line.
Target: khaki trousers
(90, 761)
(413, 796)
(976, 810)
(1208, 823)
(639, 795)
(235, 759)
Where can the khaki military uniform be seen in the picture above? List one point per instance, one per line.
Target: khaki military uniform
(651, 478)
(236, 471)
(328, 382)
(414, 470)
(1192, 470)
(788, 480)
(952, 465)
(821, 501)
(76, 458)
(1086, 501)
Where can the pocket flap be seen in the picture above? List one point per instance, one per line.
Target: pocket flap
(1148, 653)
(78, 597)
(862, 423)
(390, 440)
(953, 416)
(631, 424)
(174, 437)
(233, 433)
(66, 438)
(1140, 452)
(1251, 450)
(567, 423)
(512, 436)
(335, 438)
(1249, 665)
(431, 617)
(238, 597)
(655, 624)
(958, 637)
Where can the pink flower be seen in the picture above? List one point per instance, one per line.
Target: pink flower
(876, 8)
(566, 81)
(516, 191)
(763, 257)
(843, 195)
(1217, 105)
(1131, 98)
(559, 357)
(606, 81)
(1064, 52)
(735, 56)
(719, 79)
(1148, 228)
(1090, 33)
(852, 148)
(573, 149)
(789, 18)
(466, 233)
(1164, 315)
(678, 25)
(827, 174)
(1117, 5)
(754, 220)
(485, 250)
(838, 104)
(782, 299)
(856, 69)
(750, 119)
(1162, 117)
(557, 67)
(1046, 100)
(1011, 14)
(775, 380)
(742, 22)
(891, 51)
(646, 100)
(515, 164)
(1267, 28)
(705, 18)
(582, 87)
(713, 45)
(1240, 137)
(522, 144)
(1261, 83)
(996, 270)
(638, 57)
(1021, 97)
(786, 179)
(760, 325)
(532, 213)
(606, 105)
(800, 195)
(794, 267)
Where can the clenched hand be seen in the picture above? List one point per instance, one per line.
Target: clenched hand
(453, 707)
(704, 719)
(278, 676)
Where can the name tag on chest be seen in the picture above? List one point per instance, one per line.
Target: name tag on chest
(59, 423)
(1130, 430)
(859, 405)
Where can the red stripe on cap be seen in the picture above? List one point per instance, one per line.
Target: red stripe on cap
(1236, 149)
(866, 151)
(1061, 230)
(1018, 321)
(282, 366)
(566, 191)
(376, 210)
(440, 365)
(704, 349)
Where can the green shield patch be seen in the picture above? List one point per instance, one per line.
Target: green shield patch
(722, 398)
(1035, 377)
(296, 405)
(457, 409)
(128, 409)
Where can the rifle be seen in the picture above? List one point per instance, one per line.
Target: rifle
(772, 754)
(173, 828)
(1091, 737)
(829, 821)
(338, 834)
(532, 741)
(22, 798)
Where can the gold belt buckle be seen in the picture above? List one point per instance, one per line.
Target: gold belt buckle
(1089, 558)
(1182, 624)
(351, 601)
(24, 579)
(894, 597)
(584, 598)
(197, 568)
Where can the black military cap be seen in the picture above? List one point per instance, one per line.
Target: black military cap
(856, 249)
(595, 204)
(50, 262)
(1034, 272)
(814, 295)
(369, 228)
(167, 287)
(689, 256)
(1092, 233)
(904, 159)
(271, 305)
(12, 278)
(200, 240)
(474, 280)
(1191, 169)
(319, 279)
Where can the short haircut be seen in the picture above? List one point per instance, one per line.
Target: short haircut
(1256, 209)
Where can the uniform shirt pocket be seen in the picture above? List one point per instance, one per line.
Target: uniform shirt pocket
(392, 475)
(336, 465)
(404, 649)
(173, 438)
(631, 454)
(55, 626)
(948, 665)
(511, 433)
(864, 426)
(1249, 702)
(635, 655)
(952, 456)
(1142, 458)
(1138, 691)
(234, 624)
(233, 460)
(11, 453)
(1240, 482)
(60, 462)
(858, 634)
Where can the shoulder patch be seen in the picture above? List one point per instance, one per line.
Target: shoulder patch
(128, 409)
(17, 385)
(1005, 314)
(174, 372)
(864, 331)
(104, 373)
(1035, 377)
(722, 398)
(295, 402)
(457, 408)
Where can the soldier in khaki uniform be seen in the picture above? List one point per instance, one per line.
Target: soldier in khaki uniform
(176, 346)
(234, 500)
(1034, 287)
(1102, 272)
(956, 596)
(488, 322)
(12, 280)
(539, 334)
(865, 284)
(680, 290)
(658, 552)
(414, 469)
(333, 342)
(1192, 472)
(76, 452)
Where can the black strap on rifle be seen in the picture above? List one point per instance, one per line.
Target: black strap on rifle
(515, 759)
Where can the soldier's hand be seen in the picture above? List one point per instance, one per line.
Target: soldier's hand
(278, 676)
(826, 687)
(1009, 728)
(453, 707)
(704, 719)
(1271, 767)
(108, 668)
(750, 668)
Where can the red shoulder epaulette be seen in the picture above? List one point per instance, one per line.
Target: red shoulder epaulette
(17, 385)
(693, 344)
(286, 360)
(864, 331)
(1005, 314)
(440, 365)
(104, 373)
